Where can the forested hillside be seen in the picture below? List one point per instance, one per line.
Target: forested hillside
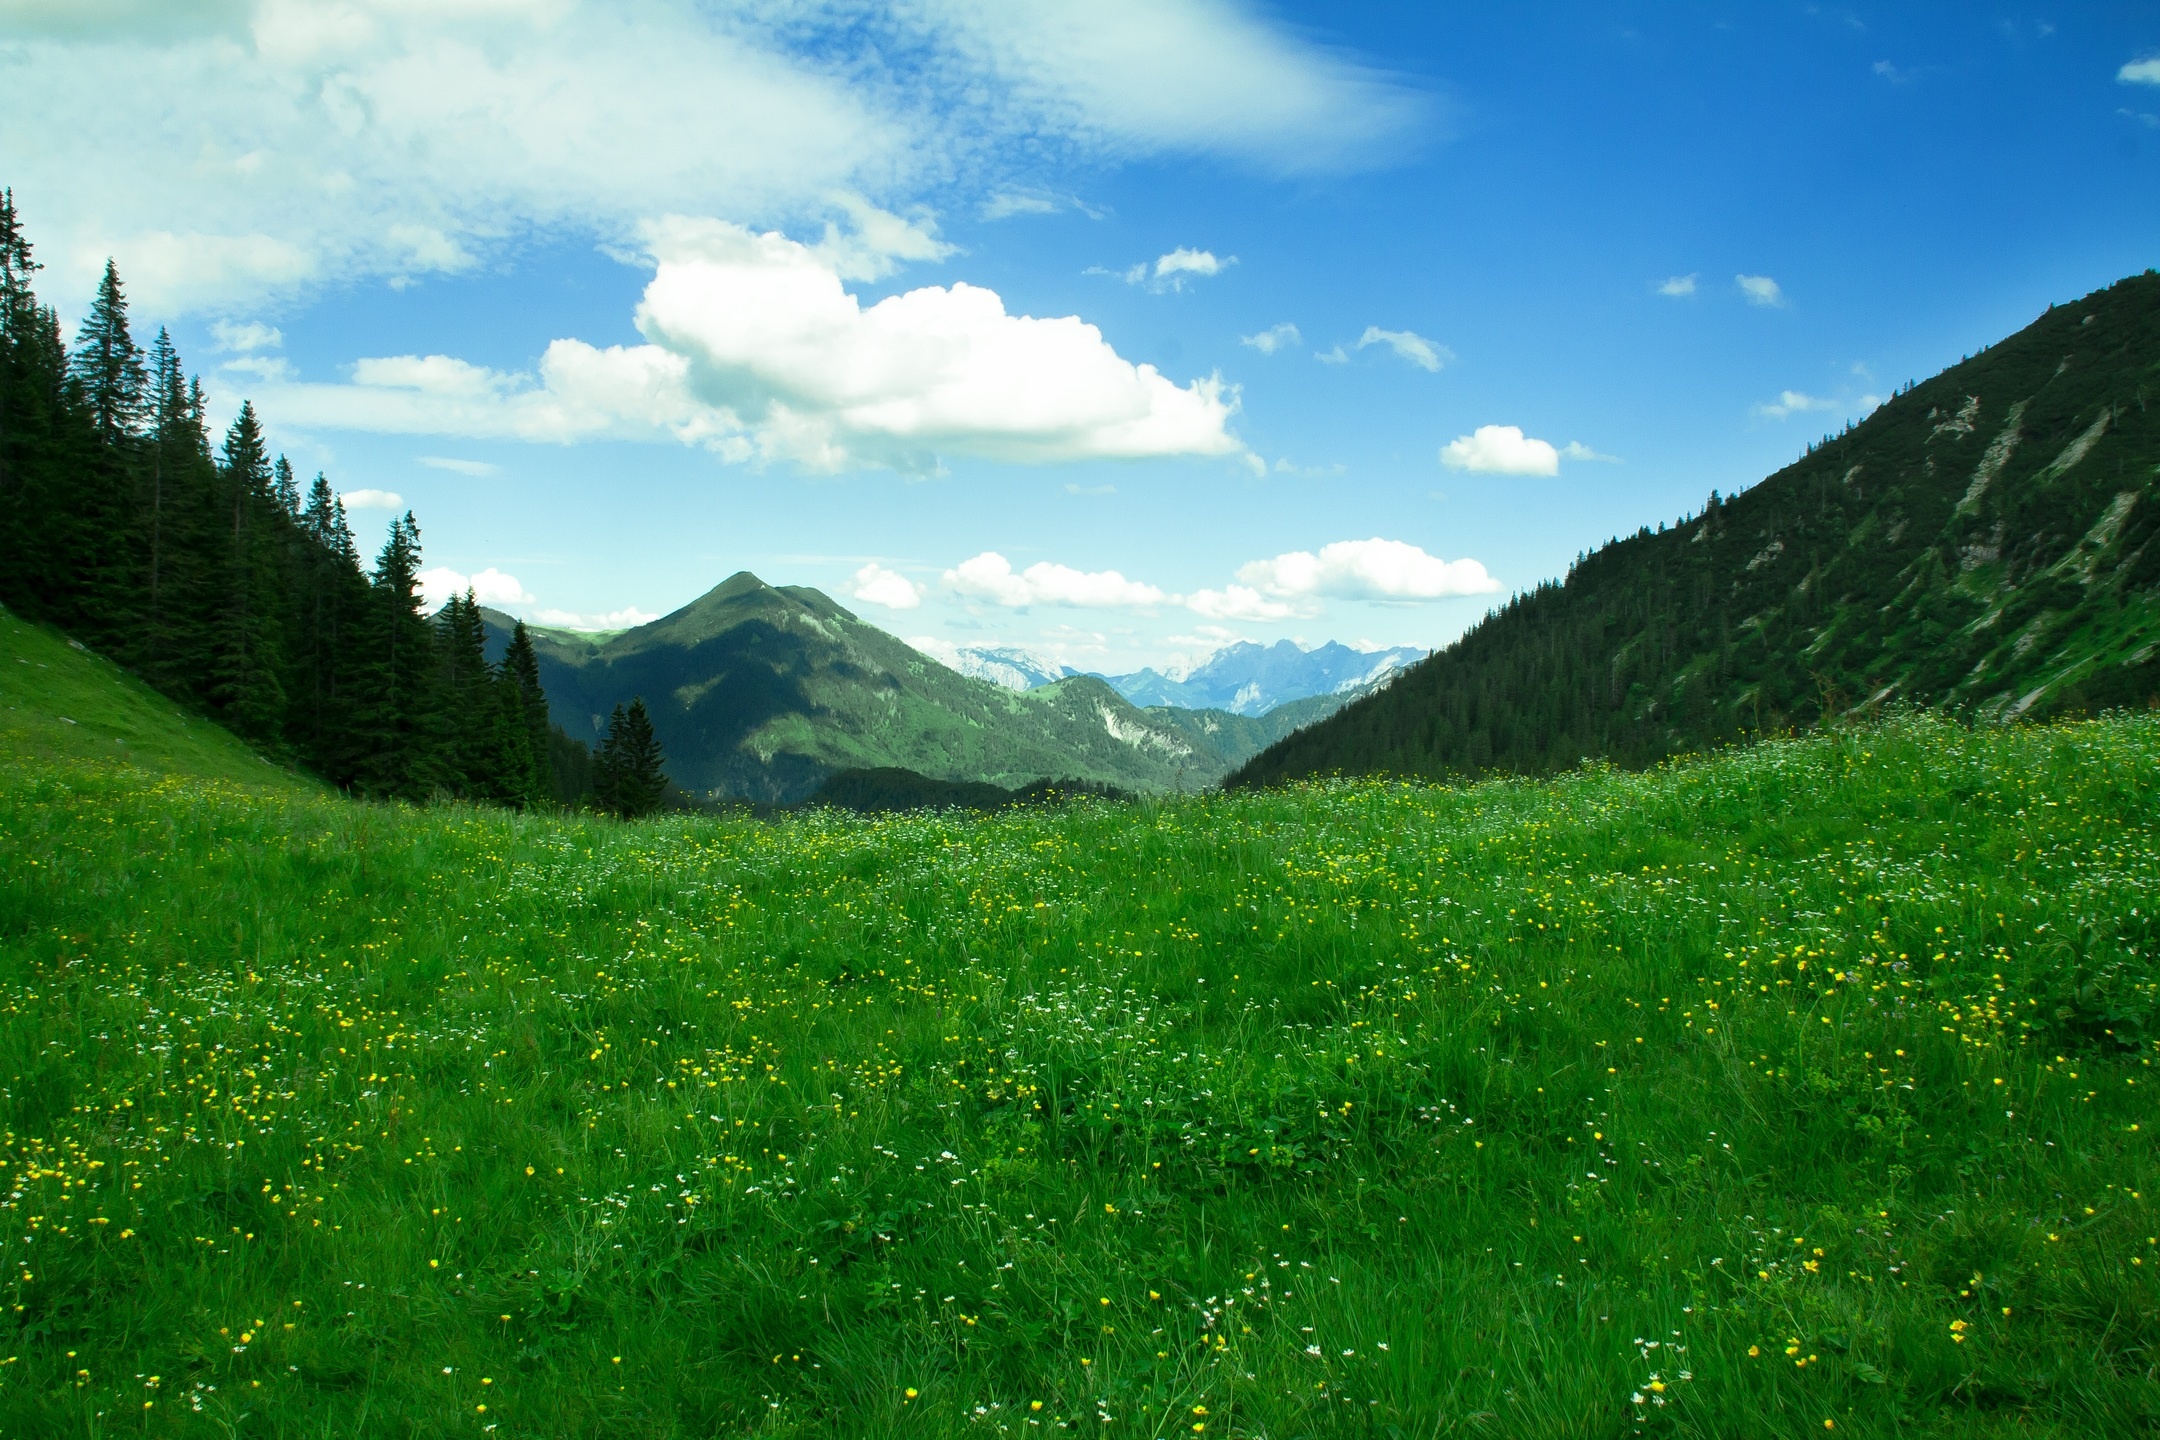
(212, 576)
(1984, 542)
(763, 692)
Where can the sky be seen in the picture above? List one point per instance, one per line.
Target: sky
(1116, 332)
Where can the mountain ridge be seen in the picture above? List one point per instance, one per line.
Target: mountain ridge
(1987, 542)
(761, 692)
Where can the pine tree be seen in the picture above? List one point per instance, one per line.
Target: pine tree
(629, 775)
(109, 366)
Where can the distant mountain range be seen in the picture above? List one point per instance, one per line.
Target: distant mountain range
(1253, 679)
(1987, 542)
(1243, 679)
(762, 692)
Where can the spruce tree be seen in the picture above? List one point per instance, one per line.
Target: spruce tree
(109, 366)
(521, 668)
(400, 731)
(467, 692)
(630, 760)
(246, 687)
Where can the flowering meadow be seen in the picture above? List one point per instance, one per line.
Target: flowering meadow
(1803, 1089)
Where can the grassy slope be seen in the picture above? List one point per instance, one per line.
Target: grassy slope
(60, 702)
(1807, 1083)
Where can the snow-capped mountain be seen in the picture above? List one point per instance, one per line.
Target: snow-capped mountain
(1006, 665)
(1252, 679)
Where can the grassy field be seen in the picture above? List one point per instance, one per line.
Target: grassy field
(1802, 1090)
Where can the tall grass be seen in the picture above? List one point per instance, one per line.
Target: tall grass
(1801, 1090)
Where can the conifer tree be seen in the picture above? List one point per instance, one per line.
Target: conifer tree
(629, 775)
(521, 668)
(245, 685)
(467, 693)
(109, 366)
(400, 731)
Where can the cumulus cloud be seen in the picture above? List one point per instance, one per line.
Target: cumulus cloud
(990, 576)
(458, 467)
(1374, 569)
(757, 350)
(879, 586)
(1679, 285)
(489, 587)
(1761, 290)
(1793, 402)
(329, 142)
(1500, 450)
(627, 618)
(372, 499)
(2140, 72)
(1274, 338)
(1239, 602)
(1408, 344)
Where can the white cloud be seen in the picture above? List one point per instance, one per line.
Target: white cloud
(1239, 602)
(1793, 402)
(1500, 450)
(1274, 338)
(1168, 272)
(2140, 72)
(458, 467)
(489, 587)
(1073, 489)
(270, 369)
(627, 618)
(372, 500)
(326, 142)
(757, 350)
(1372, 569)
(1679, 285)
(1410, 345)
(1761, 290)
(254, 335)
(990, 576)
(1576, 450)
(889, 588)
(1336, 356)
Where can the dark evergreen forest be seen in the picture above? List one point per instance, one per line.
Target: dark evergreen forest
(209, 571)
(1986, 543)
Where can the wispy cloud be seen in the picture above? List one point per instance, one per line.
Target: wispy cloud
(1793, 402)
(1678, 285)
(1576, 450)
(1761, 290)
(254, 335)
(458, 467)
(1274, 338)
(1170, 271)
(2140, 72)
(1408, 344)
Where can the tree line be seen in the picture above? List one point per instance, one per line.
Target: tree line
(211, 573)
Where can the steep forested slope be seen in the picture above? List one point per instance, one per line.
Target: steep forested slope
(1984, 542)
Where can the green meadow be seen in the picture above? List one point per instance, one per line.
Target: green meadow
(1799, 1090)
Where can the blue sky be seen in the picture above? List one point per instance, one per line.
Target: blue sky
(596, 291)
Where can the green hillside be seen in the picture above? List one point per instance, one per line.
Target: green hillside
(761, 692)
(1984, 542)
(60, 702)
(1796, 1090)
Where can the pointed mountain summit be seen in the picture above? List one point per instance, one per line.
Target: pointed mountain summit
(760, 692)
